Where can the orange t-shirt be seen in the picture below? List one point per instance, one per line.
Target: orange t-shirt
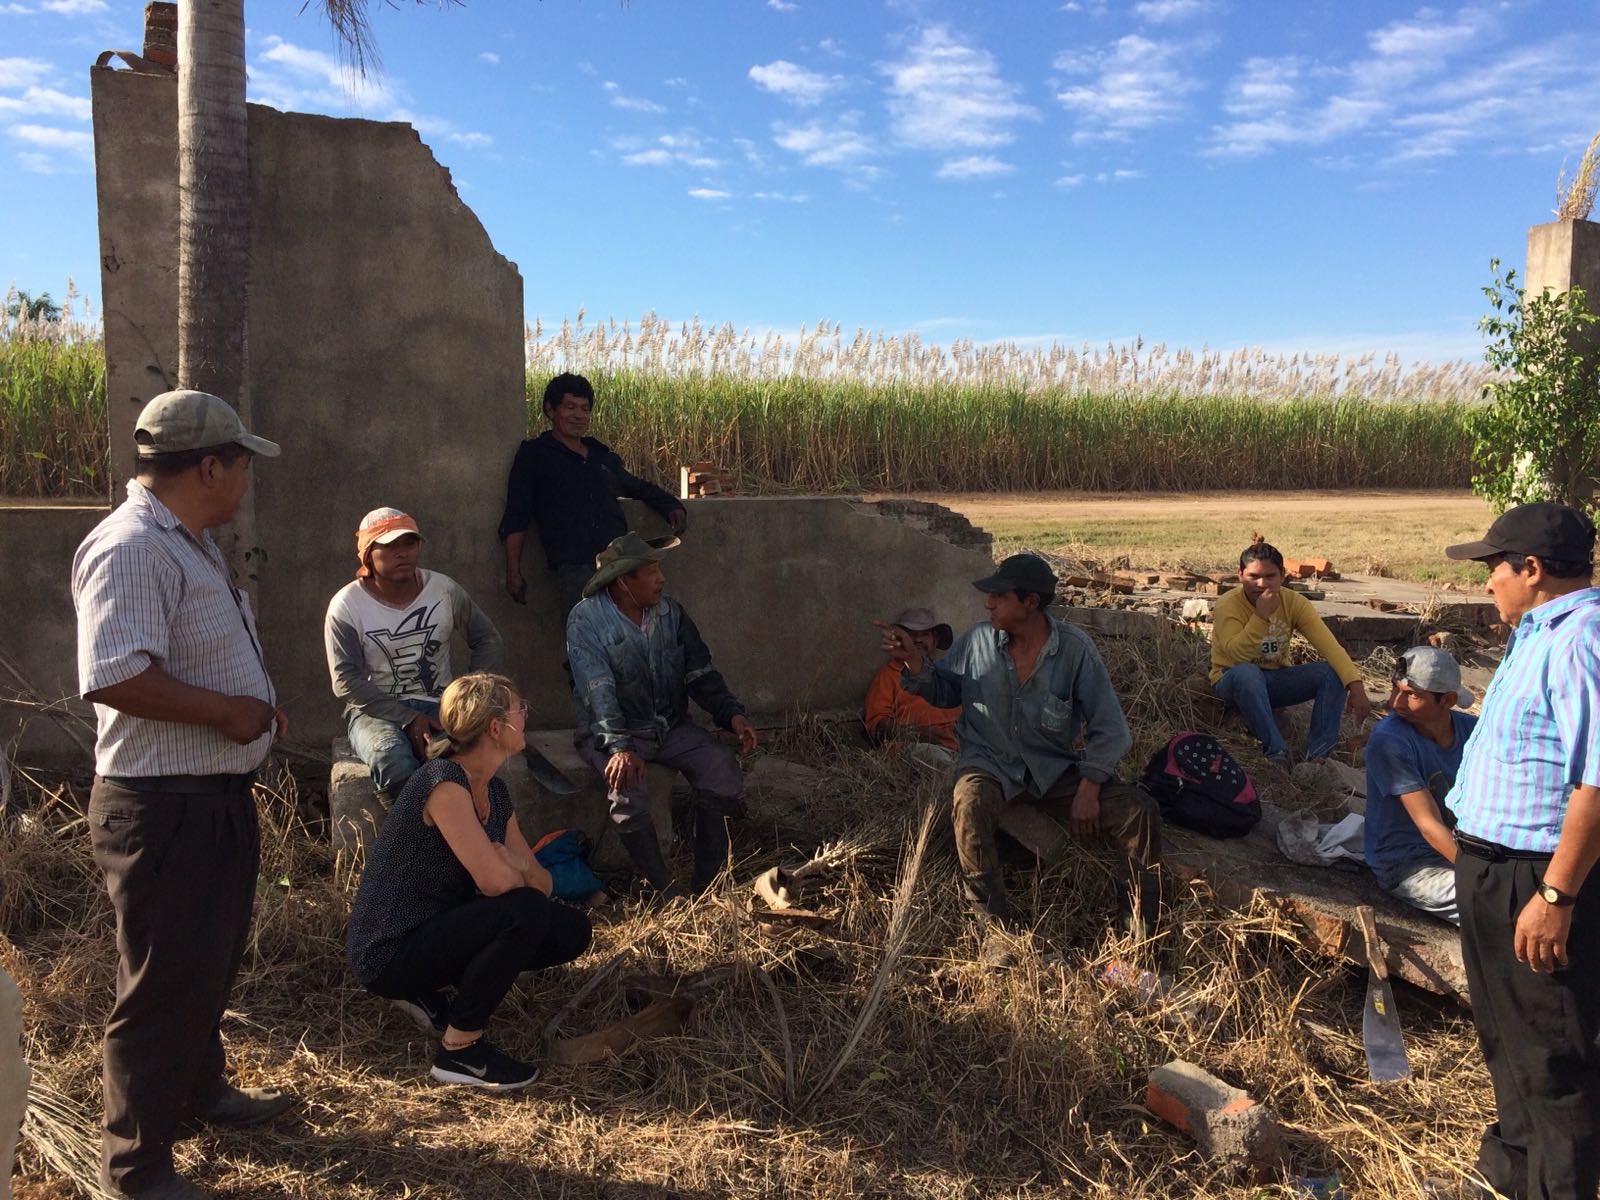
(889, 703)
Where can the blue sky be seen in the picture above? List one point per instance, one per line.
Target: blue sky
(1300, 176)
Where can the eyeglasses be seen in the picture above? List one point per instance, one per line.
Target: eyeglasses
(521, 710)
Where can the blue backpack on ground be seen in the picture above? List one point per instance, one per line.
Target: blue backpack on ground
(565, 854)
(1200, 787)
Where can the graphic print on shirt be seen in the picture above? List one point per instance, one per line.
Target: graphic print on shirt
(409, 648)
(1273, 644)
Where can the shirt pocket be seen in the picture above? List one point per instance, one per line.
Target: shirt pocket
(1055, 715)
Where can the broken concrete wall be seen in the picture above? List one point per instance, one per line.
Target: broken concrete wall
(385, 354)
(384, 349)
(784, 590)
(39, 638)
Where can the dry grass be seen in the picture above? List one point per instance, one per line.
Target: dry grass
(1404, 533)
(960, 1084)
(1575, 200)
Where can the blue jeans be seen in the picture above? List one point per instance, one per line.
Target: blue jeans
(384, 747)
(1255, 693)
(1432, 888)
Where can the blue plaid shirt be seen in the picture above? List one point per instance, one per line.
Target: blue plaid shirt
(1539, 733)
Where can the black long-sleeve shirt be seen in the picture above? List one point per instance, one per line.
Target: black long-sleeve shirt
(573, 498)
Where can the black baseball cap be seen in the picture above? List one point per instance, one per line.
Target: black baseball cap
(1020, 572)
(1544, 528)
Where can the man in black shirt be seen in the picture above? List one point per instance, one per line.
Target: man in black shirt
(569, 484)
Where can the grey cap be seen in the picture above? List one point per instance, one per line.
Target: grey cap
(921, 620)
(1432, 670)
(190, 420)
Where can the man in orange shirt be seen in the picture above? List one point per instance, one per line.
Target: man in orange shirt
(891, 713)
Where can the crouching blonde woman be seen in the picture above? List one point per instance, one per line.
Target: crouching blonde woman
(451, 896)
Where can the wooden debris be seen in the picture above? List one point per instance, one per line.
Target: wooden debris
(659, 1019)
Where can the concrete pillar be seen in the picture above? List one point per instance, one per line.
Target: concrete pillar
(1563, 255)
(13, 1078)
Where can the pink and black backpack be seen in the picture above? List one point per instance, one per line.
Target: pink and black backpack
(1200, 787)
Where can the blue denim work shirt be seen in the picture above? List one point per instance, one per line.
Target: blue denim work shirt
(1023, 734)
(1538, 735)
(631, 681)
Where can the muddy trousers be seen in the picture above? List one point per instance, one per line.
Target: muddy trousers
(180, 868)
(1128, 817)
(1540, 1034)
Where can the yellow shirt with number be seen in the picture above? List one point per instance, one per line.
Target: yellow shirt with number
(1238, 635)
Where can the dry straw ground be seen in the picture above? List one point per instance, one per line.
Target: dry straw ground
(961, 1084)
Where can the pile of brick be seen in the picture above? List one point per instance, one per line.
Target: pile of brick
(699, 480)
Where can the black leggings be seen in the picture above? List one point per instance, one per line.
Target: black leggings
(482, 947)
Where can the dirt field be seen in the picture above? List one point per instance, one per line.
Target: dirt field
(1399, 533)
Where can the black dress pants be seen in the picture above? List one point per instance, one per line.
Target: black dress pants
(1540, 1034)
(180, 868)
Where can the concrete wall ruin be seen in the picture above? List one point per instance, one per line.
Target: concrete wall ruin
(385, 354)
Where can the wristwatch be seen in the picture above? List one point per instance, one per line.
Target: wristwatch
(1555, 896)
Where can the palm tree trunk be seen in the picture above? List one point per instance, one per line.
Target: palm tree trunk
(213, 197)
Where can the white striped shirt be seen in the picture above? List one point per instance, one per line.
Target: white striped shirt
(149, 593)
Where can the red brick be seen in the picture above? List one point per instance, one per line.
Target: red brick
(1224, 1121)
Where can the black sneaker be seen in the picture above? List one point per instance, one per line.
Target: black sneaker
(430, 1010)
(481, 1065)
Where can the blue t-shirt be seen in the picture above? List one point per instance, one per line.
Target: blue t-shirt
(1400, 759)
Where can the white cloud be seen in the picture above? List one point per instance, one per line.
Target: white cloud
(782, 6)
(944, 95)
(490, 57)
(820, 145)
(50, 138)
(677, 81)
(24, 72)
(1069, 181)
(1161, 12)
(1264, 85)
(288, 76)
(752, 153)
(44, 164)
(294, 78)
(75, 8)
(975, 166)
(684, 149)
(781, 197)
(705, 193)
(1427, 87)
(1137, 83)
(45, 102)
(619, 99)
(1121, 175)
(795, 84)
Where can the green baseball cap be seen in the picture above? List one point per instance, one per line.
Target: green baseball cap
(190, 420)
(622, 555)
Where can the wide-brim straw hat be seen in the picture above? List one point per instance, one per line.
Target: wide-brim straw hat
(622, 555)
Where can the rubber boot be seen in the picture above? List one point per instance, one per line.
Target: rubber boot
(986, 892)
(1144, 921)
(640, 841)
(710, 846)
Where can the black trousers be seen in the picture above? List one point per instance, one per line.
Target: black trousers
(1540, 1035)
(482, 947)
(180, 869)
